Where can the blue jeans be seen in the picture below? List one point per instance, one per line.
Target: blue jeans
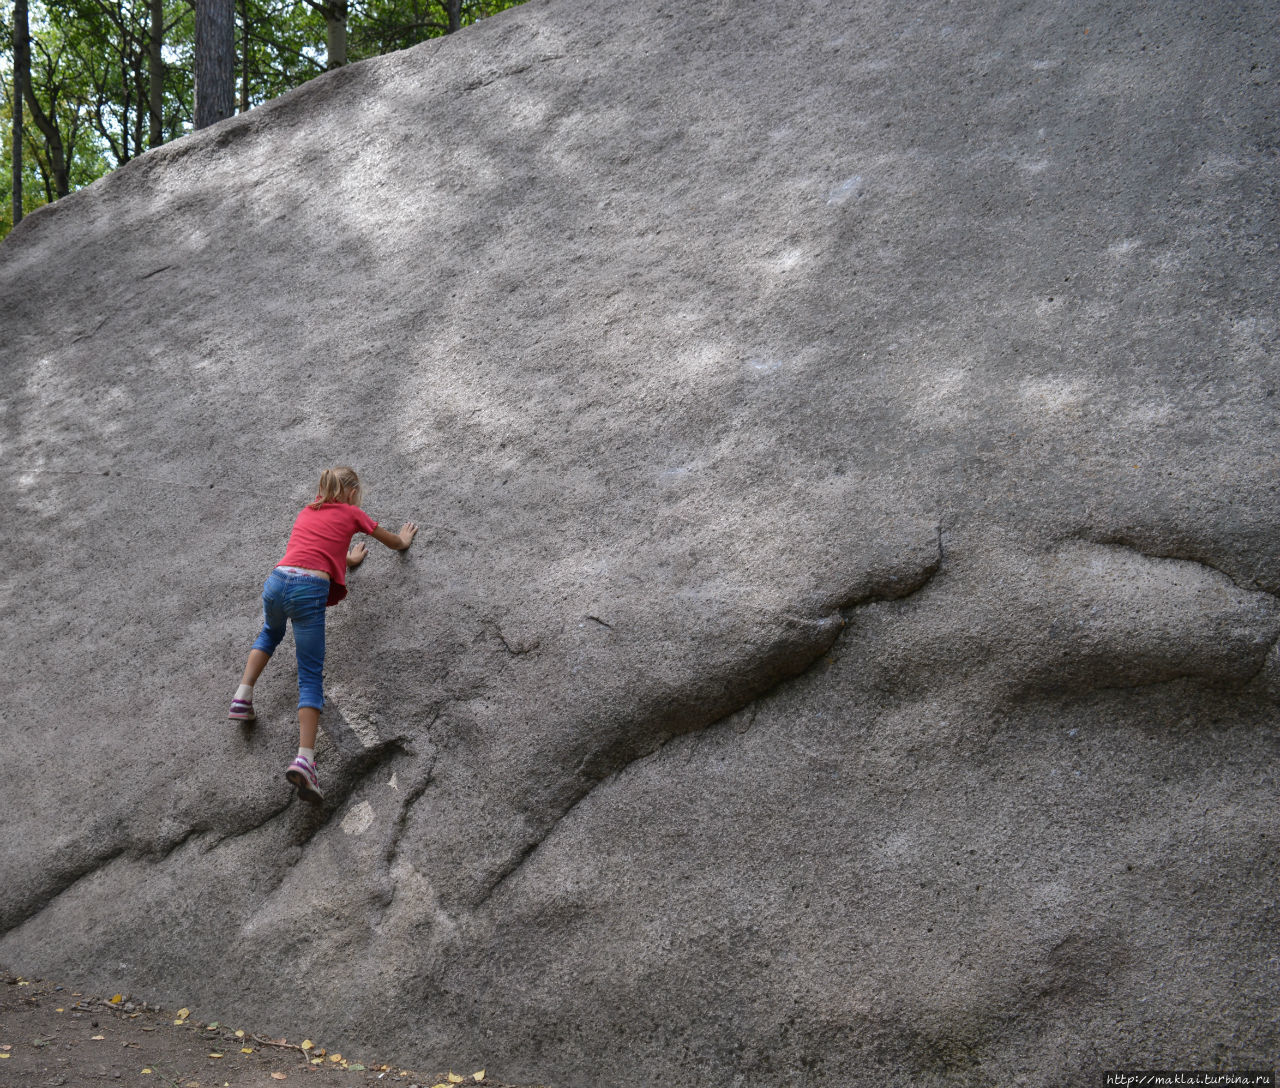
(302, 599)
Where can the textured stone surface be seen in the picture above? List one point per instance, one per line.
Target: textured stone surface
(841, 646)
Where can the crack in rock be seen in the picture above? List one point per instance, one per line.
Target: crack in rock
(511, 70)
(516, 646)
(59, 884)
(1117, 621)
(391, 851)
(1184, 554)
(597, 767)
(346, 778)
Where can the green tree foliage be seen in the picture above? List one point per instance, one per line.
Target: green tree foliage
(377, 28)
(279, 44)
(110, 46)
(111, 78)
(59, 151)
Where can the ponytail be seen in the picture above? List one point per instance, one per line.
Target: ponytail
(338, 484)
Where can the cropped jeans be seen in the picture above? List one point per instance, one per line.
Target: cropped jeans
(301, 598)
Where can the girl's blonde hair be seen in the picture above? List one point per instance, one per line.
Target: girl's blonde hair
(338, 484)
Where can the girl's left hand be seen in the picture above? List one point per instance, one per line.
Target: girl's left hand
(356, 555)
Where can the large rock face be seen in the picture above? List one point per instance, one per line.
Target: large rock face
(841, 647)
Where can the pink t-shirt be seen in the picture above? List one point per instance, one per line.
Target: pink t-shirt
(321, 538)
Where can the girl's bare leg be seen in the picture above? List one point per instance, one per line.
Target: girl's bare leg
(308, 723)
(253, 669)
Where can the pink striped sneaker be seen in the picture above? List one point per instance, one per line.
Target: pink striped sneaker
(242, 711)
(302, 773)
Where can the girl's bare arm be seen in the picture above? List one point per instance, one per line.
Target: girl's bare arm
(397, 541)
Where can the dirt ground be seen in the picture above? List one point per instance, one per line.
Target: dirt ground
(54, 1035)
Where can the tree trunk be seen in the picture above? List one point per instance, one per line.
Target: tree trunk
(335, 26)
(215, 61)
(454, 10)
(142, 108)
(155, 76)
(244, 58)
(21, 80)
(334, 13)
(126, 109)
(57, 153)
(49, 130)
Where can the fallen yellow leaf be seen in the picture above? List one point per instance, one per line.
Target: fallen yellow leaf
(97, 1038)
(478, 1077)
(246, 1050)
(307, 1044)
(117, 999)
(146, 1070)
(454, 1078)
(279, 1076)
(183, 1013)
(239, 1034)
(6, 1055)
(215, 1055)
(178, 1023)
(62, 1010)
(317, 1061)
(440, 1085)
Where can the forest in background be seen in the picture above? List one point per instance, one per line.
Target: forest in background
(110, 79)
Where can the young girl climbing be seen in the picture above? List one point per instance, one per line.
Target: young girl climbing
(310, 578)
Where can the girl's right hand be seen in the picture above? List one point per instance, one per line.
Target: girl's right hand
(385, 536)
